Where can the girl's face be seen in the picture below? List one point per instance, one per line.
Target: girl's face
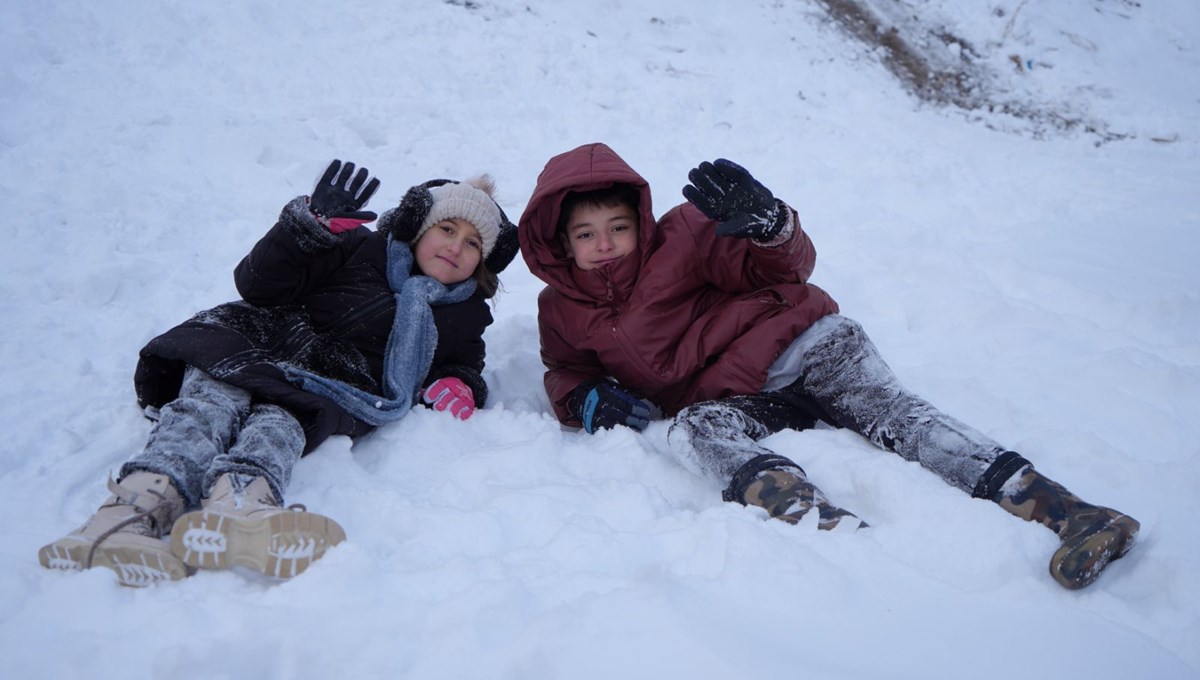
(449, 251)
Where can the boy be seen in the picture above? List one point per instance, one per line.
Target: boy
(707, 314)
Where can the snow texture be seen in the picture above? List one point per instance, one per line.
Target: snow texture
(1038, 284)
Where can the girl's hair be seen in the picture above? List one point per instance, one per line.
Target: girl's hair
(608, 197)
(486, 283)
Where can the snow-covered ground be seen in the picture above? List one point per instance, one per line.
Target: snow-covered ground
(1043, 290)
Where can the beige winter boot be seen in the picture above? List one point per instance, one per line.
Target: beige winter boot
(788, 495)
(242, 523)
(125, 534)
(1092, 535)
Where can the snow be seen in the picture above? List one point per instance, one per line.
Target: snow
(1038, 285)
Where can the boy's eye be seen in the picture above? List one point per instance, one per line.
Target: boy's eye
(582, 235)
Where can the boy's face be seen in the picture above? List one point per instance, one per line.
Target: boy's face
(597, 236)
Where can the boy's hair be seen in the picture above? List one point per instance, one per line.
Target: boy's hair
(609, 197)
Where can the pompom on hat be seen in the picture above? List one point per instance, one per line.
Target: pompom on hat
(424, 205)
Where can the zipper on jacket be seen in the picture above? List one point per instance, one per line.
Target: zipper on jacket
(649, 373)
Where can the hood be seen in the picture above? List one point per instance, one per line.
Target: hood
(586, 168)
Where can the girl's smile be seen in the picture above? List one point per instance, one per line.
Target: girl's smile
(449, 251)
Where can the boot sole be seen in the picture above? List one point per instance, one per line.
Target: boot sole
(1081, 560)
(135, 566)
(282, 545)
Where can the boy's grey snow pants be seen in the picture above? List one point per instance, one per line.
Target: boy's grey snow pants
(832, 373)
(212, 429)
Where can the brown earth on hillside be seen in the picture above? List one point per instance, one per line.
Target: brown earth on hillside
(941, 68)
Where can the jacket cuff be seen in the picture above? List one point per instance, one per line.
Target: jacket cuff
(311, 236)
(577, 396)
(785, 234)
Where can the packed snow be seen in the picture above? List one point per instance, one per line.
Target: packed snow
(1038, 284)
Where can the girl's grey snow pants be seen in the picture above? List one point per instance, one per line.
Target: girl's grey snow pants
(212, 429)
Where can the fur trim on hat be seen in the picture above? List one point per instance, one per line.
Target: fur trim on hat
(471, 201)
(402, 222)
(506, 246)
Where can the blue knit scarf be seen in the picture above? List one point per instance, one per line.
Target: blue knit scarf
(410, 346)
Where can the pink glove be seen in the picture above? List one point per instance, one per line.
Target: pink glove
(451, 394)
(339, 224)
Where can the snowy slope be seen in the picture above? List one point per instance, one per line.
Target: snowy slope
(1041, 289)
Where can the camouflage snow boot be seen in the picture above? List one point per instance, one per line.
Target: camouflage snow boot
(125, 534)
(242, 523)
(781, 487)
(1092, 535)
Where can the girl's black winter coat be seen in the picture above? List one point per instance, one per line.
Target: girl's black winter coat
(317, 301)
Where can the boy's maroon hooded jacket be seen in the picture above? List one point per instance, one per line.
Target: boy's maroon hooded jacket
(688, 317)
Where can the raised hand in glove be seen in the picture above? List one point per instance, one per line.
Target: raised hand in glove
(450, 394)
(339, 196)
(601, 405)
(743, 207)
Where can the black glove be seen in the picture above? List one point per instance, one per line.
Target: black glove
(338, 197)
(601, 405)
(742, 206)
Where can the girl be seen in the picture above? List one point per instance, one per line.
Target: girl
(707, 313)
(340, 329)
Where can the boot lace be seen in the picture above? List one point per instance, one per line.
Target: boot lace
(144, 521)
(239, 483)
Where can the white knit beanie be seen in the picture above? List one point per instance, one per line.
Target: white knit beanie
(471, 201)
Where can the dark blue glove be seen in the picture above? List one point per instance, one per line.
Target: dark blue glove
(339, 196)
(602, 405)
(724, 191)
